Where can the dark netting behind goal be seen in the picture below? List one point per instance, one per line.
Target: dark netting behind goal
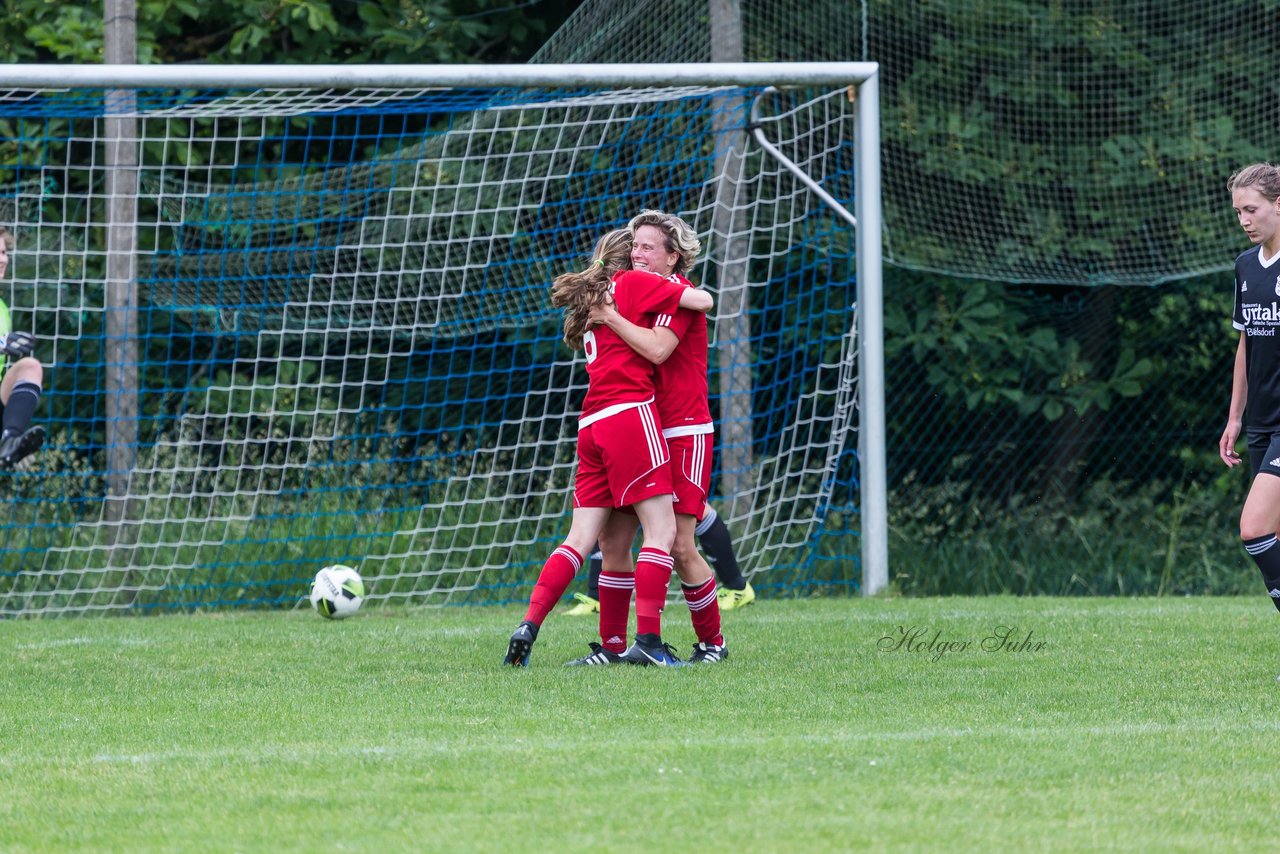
(1078, 142)
(1050, 429)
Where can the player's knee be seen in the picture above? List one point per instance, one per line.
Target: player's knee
(613, 543)
(1252, 527)
(616, 556)
(28, 369)
(684, 549)
(660, 536)
(580, 544)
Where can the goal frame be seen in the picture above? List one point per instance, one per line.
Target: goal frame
(861, 78)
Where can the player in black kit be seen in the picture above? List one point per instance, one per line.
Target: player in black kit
(1255, 195)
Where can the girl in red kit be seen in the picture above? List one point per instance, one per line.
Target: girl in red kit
(677, 344)
(622, 456)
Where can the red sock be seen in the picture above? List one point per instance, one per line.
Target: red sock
(653, 574)
(704, 611)
(615, 608)
(556, 576)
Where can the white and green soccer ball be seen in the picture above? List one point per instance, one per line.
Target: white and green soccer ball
(337, 592)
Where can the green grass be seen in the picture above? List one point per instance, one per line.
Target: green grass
(1141, 723)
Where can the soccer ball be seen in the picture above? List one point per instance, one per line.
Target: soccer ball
(337, 592)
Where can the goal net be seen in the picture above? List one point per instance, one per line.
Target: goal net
(1085, 142)
(345, 348)
(1058, 244)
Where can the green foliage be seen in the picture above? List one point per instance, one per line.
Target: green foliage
(66, 32)
(1067, 142)
(977, 343)
(286, 31)
(1117, 538)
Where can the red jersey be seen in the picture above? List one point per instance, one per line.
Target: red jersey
(680, 383)
(619, 377)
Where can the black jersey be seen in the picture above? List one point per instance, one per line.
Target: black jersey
(1257, 315)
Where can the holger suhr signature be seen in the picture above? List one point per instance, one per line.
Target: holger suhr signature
(923, 640)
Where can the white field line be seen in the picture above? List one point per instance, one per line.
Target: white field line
(417, 748)
(86, 641)
(423, 630)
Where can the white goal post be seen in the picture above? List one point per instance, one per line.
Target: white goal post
(310, 231)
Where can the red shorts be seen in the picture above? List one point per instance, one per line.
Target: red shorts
(691, 472)
(622, 460)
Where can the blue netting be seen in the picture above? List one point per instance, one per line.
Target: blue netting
(346, 350)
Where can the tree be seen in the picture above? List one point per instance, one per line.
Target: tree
(289, 31)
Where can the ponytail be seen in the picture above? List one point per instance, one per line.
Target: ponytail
(578, 293)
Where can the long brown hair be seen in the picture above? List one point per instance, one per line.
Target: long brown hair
(577, 293)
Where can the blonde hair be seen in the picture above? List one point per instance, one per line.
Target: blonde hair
(680, 236)
(1262, 177)
(577, 293)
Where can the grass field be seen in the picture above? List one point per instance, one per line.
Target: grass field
(1137, 724)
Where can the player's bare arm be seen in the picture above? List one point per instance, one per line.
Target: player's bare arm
(697, 300)
(1235, 414)
(656, 344)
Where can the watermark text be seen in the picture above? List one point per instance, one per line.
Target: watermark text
(935, 644)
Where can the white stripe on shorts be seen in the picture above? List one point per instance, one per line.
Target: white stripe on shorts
(699, 462)
(653, 437)
(689, 430)
(588, 420)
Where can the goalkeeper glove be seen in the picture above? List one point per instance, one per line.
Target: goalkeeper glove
(18, 345)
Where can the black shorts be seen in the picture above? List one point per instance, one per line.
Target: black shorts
(1264, 453)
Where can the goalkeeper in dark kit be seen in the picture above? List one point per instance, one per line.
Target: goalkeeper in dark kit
(21, 378)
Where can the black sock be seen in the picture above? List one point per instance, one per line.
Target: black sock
(20, 408)
(1266, 555)
(713, 536)
(593, 578)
